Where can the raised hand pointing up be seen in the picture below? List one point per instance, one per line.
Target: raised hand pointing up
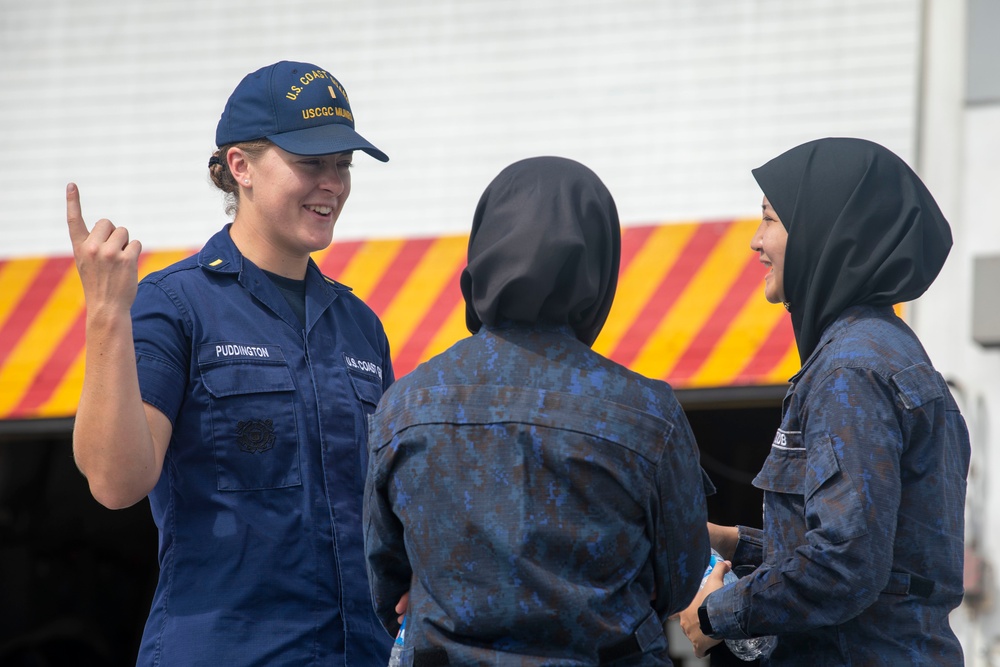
(118, 443)
(108, 262)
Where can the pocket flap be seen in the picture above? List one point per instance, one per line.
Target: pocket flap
(823, 465)
(366, 390)
(246, 377)
(783, 471)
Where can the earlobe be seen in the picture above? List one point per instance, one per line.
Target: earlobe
(239, 166)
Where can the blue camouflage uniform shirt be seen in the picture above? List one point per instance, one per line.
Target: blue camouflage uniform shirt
(533, 496)
(861, 553)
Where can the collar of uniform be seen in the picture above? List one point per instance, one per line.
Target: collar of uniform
(221, 255)
(849, 315)
(503, 325)
(340, 287)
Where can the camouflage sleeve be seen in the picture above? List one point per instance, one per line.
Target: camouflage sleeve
(681, 545)
(835, 556)
(389, 571)
(852, 490)
(749, 547)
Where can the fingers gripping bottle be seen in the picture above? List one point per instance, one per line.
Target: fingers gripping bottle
(400, 656)
(744, 649)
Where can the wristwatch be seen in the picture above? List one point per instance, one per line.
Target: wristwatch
(704, 621)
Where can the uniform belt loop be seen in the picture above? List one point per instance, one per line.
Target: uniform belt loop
(648, 631)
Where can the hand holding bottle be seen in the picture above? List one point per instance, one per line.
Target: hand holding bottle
(744, 649)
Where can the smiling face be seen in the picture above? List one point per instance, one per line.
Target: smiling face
(769, 243)
(289, 207)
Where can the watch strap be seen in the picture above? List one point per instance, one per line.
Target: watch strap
(704, 621)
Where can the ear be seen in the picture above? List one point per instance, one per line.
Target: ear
(239, 165)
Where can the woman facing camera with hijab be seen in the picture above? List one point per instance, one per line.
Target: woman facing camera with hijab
(540, 503)
(861, 553)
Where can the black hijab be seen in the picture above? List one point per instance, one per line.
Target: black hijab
(862, 229)
(545, 248)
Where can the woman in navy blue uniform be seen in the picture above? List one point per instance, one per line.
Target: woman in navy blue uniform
(235, 395)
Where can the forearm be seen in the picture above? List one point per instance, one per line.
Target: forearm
(112, 442)
(724, 539)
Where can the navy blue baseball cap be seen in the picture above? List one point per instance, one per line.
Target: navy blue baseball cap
(299, 107)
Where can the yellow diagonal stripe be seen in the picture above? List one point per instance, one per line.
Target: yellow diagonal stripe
(40, 339)
(786, 368)
(746, 334)
(639, 281)
(679, 327)
(48, 330)
(368, 264)
(433, 274)
(154, 261)
(451, 330)
(66, 396)
(16, 276)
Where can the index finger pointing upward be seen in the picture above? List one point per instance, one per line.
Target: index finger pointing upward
(74, 216)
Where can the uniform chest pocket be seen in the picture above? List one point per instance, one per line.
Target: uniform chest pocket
(252, 424)
(812, 492)
(368, 393)
(784, 468)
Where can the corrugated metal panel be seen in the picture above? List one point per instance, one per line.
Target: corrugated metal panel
(672, 103)
(689, 309)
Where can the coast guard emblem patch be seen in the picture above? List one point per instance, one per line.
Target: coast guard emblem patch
(255, 435)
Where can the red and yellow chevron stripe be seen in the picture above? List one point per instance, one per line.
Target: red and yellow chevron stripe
(689, 310)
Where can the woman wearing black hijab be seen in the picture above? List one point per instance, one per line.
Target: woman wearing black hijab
(539, 503)
(860, 557)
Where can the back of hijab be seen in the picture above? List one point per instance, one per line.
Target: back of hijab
(862, 229)
(545, 248)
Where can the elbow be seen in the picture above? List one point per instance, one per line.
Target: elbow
(113, 492)
(116, 488)
(114, 498)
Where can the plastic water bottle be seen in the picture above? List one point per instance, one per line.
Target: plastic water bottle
(399, 657)
(744, 649)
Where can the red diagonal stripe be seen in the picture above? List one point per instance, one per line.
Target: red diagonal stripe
(744, 288)
(770, 353)
(407, 357)
(338, 257)
(689, 260)
(62, 357)
(53, 371)
(397, 273)
(633, 238)
(31, 303)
